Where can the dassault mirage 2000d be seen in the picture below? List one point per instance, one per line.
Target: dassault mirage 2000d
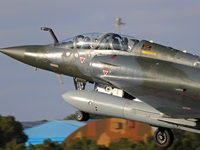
(133, 79)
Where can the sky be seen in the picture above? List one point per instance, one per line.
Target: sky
(31, 95)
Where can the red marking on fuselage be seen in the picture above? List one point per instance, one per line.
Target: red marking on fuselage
(105, 72)
(113, 57)
(186, 108)
(82, 59)
(190, 96)
(105, 68)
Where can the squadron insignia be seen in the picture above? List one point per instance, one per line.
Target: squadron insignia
(146, 47)
(105, 71)
(82, 58)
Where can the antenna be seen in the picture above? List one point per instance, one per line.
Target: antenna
(118, 23)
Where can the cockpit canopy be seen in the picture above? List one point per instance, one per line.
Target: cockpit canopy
(100, 41)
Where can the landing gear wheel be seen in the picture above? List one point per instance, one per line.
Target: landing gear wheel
(163, 137)
(82, 116)
(86, 117)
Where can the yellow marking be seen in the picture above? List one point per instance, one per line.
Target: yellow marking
(184, 51)
(151, 41)
(146, 52)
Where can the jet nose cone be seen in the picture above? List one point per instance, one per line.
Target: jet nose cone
(15, 52)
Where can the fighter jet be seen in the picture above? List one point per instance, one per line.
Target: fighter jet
(134, 79)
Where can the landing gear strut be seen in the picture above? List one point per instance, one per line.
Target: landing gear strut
(82, 116)
(163, 137)
(79, 83)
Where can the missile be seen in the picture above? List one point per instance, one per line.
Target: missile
(113, 106)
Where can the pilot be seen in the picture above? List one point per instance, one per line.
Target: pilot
(124, 44)
(79, 41)
(86, 42)
(104, 44)
(115, 42)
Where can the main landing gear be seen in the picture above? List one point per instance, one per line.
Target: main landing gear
(79, 83)
(82, 116)
(163, 137)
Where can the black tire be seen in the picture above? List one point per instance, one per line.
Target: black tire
(80, 115)
(163, 137)
(86, 117)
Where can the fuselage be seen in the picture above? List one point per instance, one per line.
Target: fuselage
(148, 64)
(120, 62)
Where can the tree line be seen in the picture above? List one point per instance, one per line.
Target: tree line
(12, 137)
